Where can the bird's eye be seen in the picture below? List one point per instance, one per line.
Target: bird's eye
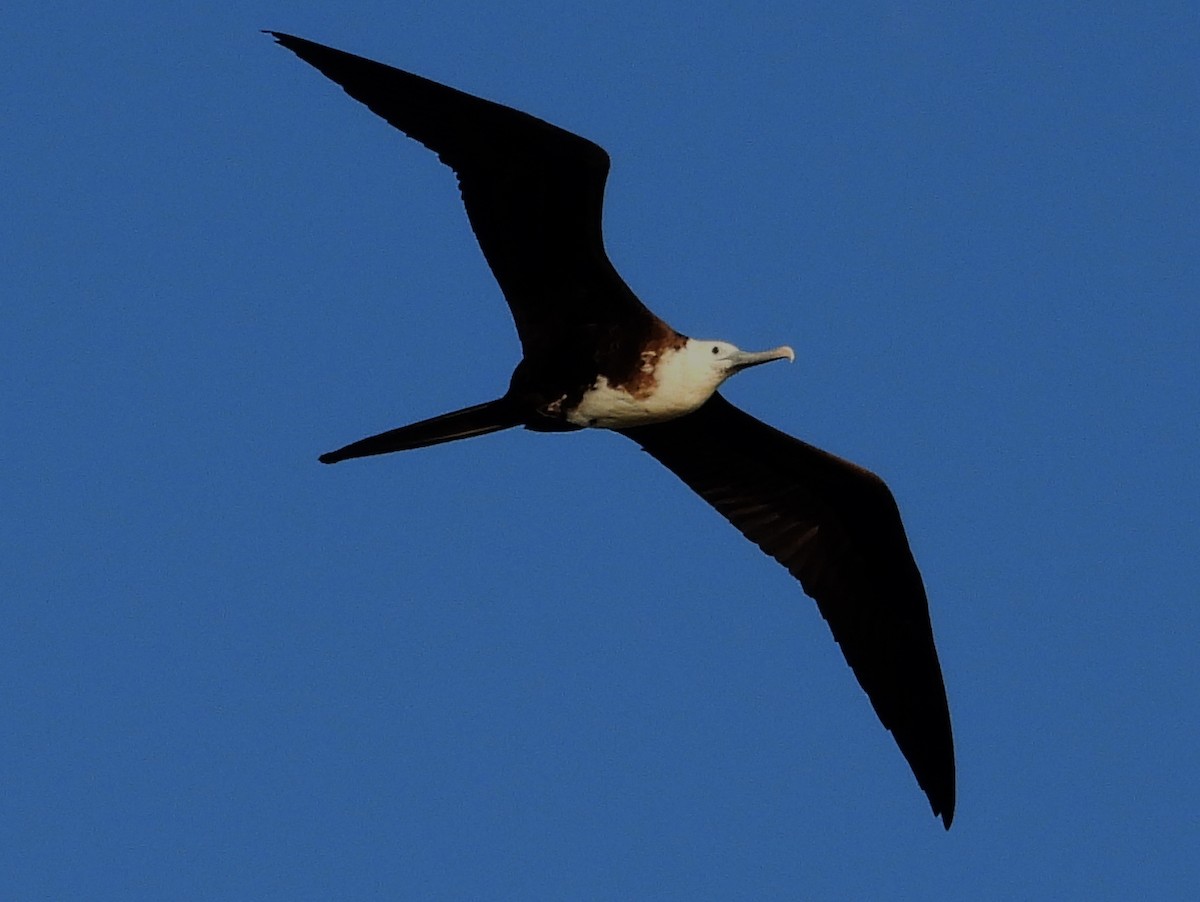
(716, 350)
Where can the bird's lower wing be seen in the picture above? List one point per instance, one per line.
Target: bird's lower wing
(836, 528)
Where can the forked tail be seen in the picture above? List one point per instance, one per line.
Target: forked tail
(478, 420)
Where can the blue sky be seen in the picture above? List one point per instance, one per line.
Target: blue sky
(229, 672)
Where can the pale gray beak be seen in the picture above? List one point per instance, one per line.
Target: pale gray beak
(744, 359)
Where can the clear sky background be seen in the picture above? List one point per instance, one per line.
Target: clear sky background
(537, 667)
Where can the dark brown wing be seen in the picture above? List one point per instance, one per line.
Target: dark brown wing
(534, 194)
(836, 528)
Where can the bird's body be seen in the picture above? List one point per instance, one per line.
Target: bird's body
(595, 356)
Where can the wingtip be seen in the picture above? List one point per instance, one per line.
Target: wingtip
(944, 809)
(329, 457)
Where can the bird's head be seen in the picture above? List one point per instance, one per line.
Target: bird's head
(716, 361)
(687, 376)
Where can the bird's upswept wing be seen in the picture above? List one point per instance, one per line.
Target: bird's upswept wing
(836, 528)
(534, 194)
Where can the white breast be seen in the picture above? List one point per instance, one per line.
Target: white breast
(682, 382)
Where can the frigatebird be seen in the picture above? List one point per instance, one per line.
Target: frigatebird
(595, 356)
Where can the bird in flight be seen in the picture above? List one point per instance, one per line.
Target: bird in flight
(595, 356)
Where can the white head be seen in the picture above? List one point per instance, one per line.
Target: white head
(686, 377)
(712, 362)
